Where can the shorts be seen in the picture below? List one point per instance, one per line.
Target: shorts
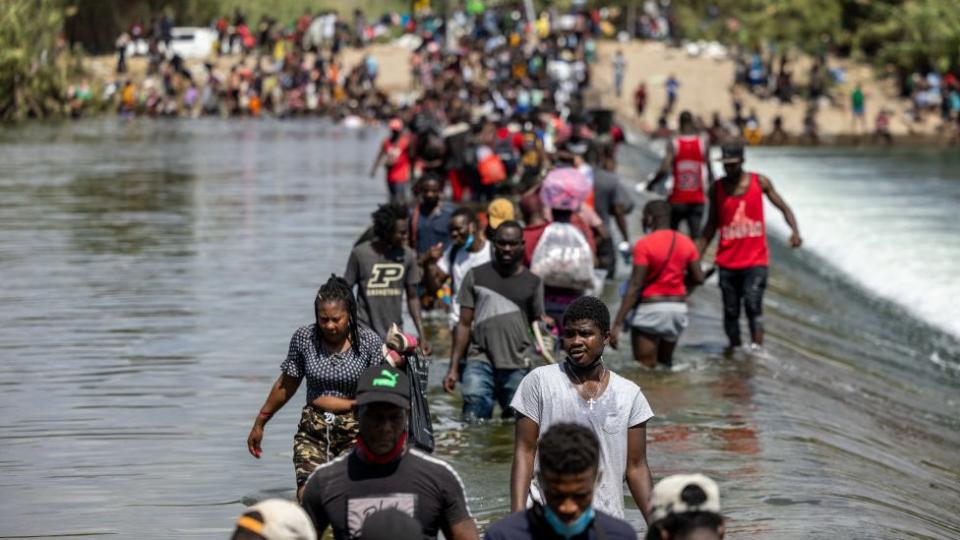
(321, 437)
(666, 320)
(399, 191)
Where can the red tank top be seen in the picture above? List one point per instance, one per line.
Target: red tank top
(743, 233)
(689, 170)
(398, 160)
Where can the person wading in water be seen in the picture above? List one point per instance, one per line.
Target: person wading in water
(736, 210)
(331, 354)
(662, 261)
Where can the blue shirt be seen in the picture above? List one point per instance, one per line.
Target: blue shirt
(431, 229)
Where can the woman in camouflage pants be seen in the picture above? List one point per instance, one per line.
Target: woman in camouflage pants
(331, 354)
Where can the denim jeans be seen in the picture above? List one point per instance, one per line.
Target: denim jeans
(484, 386)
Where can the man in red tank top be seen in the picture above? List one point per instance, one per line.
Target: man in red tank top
(686, 159)
(395, 155)
(664, 261)
(736, 210)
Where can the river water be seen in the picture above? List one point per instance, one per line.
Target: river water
(154, 271)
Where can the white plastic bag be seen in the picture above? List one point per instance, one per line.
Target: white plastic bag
(563, 258)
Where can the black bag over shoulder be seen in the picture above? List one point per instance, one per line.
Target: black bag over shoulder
(421, 426)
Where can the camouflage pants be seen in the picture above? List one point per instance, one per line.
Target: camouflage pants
(321, 437)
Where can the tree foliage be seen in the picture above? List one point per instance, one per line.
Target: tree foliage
(909, 34)
(35, 64)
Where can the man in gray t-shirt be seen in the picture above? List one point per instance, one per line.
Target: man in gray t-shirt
(498, 302)
(383, 270)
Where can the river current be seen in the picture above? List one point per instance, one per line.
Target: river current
(153, 272)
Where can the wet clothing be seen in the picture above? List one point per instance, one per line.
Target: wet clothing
(381, 281)
(743, 234)
(666, 255)
(330, 373)
(745, 287)
(530, 524)
(341, 494)
(547, 396)
(504, 307)
(485, 386)
(691, 214)
(666, 320)
(320, 437)
(689, 169)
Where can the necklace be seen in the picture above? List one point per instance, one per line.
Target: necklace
(591, 399)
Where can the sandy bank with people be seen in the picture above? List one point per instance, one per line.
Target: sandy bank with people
(705, 88)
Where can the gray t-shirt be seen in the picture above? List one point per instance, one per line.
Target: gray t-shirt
(503, 308)
(607, 192)
(547, 396)
(381, 281)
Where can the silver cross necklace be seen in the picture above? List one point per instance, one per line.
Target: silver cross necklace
(591, 399)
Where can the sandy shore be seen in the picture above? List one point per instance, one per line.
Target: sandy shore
(705, 87)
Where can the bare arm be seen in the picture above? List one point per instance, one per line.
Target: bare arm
(695, 275)
(377, 162)
(464, 530)
(778, 201)
(413, 305)
(621, 218)
(629, 300)
(461, 337)
(280, 393)
(521, 472)
(664, 170)
(710, 228)
(638, 471)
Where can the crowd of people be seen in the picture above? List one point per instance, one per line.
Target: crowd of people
(503, 194)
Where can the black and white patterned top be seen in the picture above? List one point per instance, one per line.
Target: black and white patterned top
(330, 374)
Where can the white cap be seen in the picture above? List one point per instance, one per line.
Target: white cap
(668, 496)
(279, 520)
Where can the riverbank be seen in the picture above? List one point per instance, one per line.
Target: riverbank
(705, 85)
(649, 62)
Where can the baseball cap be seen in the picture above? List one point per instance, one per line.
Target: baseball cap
(274, 519)
(682, 493)
(395, 124)
(391, 524)
(383, 384)
(498, 211)
(731, 152)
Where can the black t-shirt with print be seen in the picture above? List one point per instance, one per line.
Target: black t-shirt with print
(342, 493)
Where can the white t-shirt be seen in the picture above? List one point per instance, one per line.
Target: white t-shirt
(547, 396)
(463, 261)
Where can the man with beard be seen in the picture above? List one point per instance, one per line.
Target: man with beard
(498, 303)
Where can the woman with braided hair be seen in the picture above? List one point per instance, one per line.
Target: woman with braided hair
(331, 354)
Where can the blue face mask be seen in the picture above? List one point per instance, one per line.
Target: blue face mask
(469, 243)
(568, 530)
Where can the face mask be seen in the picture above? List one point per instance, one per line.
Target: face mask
(568, 530)
(469, 243)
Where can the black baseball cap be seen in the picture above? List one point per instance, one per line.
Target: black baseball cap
(383, 384)
(731, 152)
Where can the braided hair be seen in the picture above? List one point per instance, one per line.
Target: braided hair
(337, 289)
